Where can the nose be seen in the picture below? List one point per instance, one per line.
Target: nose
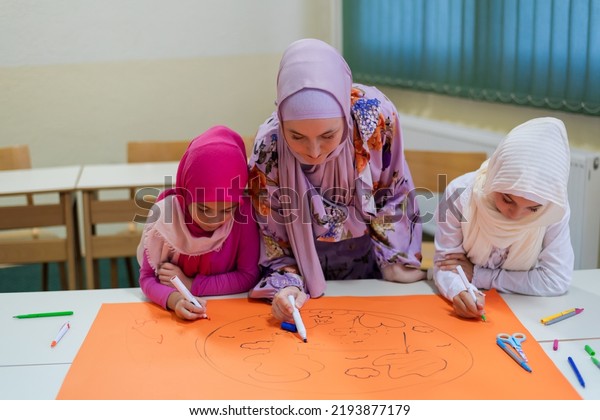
(517, 214)
(313, 149)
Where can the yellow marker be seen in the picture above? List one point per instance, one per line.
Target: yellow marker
(558, 315)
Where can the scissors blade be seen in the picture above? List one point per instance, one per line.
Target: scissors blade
(517, 345)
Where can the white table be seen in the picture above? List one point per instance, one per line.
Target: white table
(129, 176)
(30, 369)
(61, 180)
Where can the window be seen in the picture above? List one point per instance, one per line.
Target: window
(539, 53)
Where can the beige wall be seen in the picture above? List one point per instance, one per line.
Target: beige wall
(77, 83)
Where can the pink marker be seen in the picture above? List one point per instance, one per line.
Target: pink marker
(555, 345)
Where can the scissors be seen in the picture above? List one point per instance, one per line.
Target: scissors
(514, 341)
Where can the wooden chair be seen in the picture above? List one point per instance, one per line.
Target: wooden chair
(156, 150)
(432, 171)
(140, 152)
(18, 157)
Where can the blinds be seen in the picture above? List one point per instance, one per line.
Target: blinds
(541, 53)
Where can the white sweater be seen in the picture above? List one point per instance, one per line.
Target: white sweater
(551, 275)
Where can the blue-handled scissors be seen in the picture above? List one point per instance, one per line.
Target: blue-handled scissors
(514, 341)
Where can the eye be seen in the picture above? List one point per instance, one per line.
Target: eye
(534, 209)
(506, 199)
(328, 136)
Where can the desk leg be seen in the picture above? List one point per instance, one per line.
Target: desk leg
(87, 238)
(66, 199)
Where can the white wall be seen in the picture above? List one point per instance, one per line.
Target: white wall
(80, 79)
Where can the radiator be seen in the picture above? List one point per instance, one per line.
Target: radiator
(584, 179)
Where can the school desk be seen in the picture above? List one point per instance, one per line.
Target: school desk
(96, 180)
(56, 180)
(30, 369)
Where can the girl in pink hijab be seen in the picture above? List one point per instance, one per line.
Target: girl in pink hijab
(329, 183)
(202, 230)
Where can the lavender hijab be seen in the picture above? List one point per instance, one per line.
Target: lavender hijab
(314, 64)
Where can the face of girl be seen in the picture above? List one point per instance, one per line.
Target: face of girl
(211, 215)
(313, 140)
(514, 207)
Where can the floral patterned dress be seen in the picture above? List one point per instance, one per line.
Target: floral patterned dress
(380, 226)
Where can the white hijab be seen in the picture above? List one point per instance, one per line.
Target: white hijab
(532, 161)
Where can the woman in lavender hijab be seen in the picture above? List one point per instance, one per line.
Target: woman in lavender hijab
(330, 186)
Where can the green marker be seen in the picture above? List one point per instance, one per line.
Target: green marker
(596, 362)
(590, 350)
(44, 314)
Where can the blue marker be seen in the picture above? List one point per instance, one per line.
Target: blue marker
(516, 358)
(574, 367)
(288, 326)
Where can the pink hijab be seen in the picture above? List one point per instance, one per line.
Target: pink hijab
(213, 169)
(314, 64)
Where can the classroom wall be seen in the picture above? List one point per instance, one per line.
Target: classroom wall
(80, 79)
(583, 131)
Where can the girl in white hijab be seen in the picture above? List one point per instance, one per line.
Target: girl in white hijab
(507, 224)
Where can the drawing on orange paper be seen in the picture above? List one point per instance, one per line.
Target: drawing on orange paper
(344, 347)
(409, 347)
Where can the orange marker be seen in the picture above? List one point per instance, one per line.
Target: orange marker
(63, 330)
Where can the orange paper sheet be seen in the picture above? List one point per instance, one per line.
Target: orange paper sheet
(397, 347)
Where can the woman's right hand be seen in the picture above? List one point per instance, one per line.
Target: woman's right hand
(281, 308)
(465, 307)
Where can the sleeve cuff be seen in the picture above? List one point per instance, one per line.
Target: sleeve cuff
(268, 287)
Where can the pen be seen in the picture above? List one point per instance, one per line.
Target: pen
(516, 358)
(574, 367)
(563, 317)
(298, 318)
(44, 314)
(63, 330)
(596, 362)
(467, 285)
(560, 314)
(176, 281)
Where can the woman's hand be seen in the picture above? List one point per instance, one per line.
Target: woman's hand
(185, 309)
(400, 274)
(281, 307)
(168, 270)
(465, 307)
(450, 262)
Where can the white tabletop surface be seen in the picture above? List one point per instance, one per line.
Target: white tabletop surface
(39, 180)
(125, 175)
(26, 351)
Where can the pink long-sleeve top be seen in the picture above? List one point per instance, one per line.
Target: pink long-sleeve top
(232, 269)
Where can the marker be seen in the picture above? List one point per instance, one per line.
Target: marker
(44, 314)
(467, 285)
(555, 345)
(563, 317)
(63, 330)
(288, 326)
(176, 281)
(560, 314)
(596, 362)
(516, 358)
(298, 318)
(579, 378)
(589, 350)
